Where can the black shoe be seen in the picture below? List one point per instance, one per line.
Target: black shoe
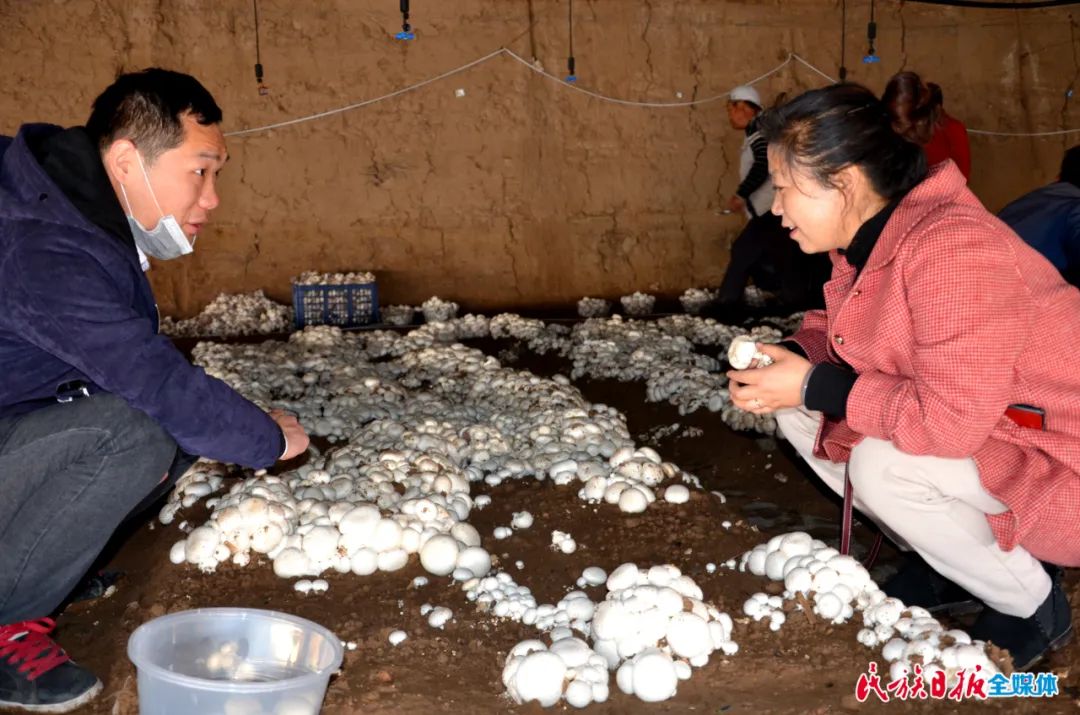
(1029, 639)
(94, 586)
(37, 675)
(918, 584)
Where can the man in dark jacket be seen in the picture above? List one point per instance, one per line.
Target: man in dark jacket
(98, 412)
(1048, 219)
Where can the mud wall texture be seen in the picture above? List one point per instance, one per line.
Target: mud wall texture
(521, 192)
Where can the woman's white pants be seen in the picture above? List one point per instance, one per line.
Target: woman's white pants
(934, 506)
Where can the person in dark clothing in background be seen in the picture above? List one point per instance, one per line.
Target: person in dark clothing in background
(1048, 219)
(763, 250)
(98, 412)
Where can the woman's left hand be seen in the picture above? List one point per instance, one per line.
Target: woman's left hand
(767, 389)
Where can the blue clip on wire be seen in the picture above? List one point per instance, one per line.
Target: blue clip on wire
(405, 35)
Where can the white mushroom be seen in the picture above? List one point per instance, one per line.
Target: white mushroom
(474, 559)
(677, 494)
(521, 520)
(538, 676)
(439, 555)
(743, 352)
(439, 616)
(650, 676)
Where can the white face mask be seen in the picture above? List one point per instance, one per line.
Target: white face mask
(166, 240)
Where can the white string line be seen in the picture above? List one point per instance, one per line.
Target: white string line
(366, 102)
(632, 103)
(1059, 132)
(812, 67)
(481, 60)
(591, 93)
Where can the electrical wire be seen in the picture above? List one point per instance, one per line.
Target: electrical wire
(792, 57)
(843, 39)
(571, 69)
(655, 105)
(988, 5)
(871, 35)
(570, 23)
(1055, 133)
(255, 6)
(532, 67)
(258, 54)
(367, 102)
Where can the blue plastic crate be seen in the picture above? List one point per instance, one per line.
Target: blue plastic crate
(346, 305)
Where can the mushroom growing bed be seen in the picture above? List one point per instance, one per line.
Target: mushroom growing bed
(576, 527)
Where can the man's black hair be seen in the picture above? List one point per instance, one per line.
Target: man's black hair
(146, 107)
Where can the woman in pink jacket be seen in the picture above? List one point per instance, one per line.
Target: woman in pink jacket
(942, 378)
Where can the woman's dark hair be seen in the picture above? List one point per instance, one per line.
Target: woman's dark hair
(916, 107)
(1070, 166)
(146, 107)
(827, 130)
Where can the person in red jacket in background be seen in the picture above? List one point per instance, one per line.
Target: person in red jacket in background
(918, 114)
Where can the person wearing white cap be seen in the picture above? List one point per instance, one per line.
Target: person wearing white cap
(755, 190)
(763, 251)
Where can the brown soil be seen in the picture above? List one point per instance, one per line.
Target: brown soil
(808, 667)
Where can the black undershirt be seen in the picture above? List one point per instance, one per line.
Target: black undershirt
(830, 384)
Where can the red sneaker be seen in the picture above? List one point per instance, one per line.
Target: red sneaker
(37, 675)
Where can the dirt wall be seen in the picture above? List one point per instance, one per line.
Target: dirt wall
(521, 192)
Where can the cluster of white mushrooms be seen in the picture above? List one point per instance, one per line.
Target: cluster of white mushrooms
(835, 587)
(233, 314)
(593, 307)
(419, 422)
(397, 314)
(638, 303)
(662, 354)
(694, 299)
(414, 433)
(563, 541)
(652, 629)
(200, 481)
(435, 309)
(540, 337)
(316, 278)
(333, 519)
(630, 482)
